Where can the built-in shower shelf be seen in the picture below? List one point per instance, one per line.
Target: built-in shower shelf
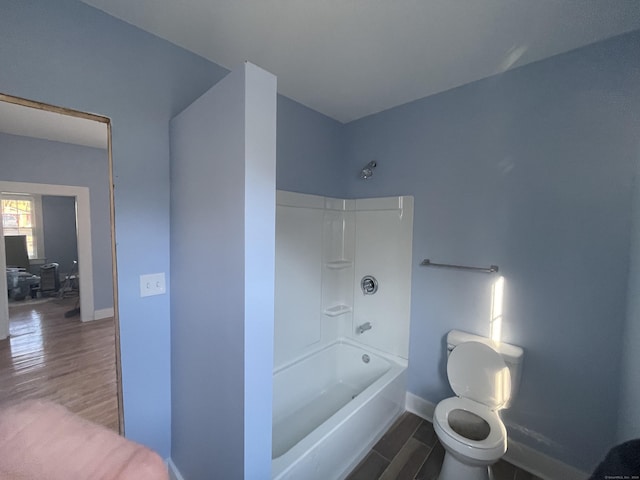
(339, 264)
(337, 310)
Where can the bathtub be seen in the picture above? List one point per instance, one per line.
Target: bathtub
(330, 407)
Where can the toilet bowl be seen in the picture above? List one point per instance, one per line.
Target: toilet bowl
(485, 449)
(469, 426)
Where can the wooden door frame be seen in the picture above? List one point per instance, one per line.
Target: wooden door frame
(114, 267)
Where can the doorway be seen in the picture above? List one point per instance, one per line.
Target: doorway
(81, 195)
(65, 325)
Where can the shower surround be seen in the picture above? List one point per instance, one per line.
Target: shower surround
(335, 339)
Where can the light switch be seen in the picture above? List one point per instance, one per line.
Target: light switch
(152, 284)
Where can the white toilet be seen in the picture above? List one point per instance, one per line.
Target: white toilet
(484, 375)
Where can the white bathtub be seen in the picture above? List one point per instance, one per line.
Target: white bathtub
(330, 407)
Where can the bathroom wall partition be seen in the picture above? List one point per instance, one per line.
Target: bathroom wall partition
(324, 246)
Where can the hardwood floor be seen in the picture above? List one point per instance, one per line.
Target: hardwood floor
(61, 359)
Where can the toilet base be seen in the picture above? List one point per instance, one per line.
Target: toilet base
(453, 469)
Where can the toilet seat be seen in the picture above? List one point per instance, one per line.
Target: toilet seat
(477, 372)
(496, 441)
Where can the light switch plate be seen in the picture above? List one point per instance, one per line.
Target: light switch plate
(152, 284)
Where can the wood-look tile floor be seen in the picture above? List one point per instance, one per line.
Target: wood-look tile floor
(410, 450)
(60, 359)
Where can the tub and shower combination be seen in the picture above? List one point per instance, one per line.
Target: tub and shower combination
(340, 348)
(330, 406)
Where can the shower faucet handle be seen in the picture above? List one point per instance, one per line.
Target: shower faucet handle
(369, 285)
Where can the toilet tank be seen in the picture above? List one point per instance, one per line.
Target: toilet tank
(511, 354)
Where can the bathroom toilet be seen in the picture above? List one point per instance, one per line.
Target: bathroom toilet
(484, 375)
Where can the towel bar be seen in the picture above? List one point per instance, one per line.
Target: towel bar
(428, 263)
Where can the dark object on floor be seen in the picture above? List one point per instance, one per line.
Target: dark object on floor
(49, 279)
(622, 461)
(74, 311)
(70, 286)
(20, 283)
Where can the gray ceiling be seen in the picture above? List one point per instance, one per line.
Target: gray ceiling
(34, 122)
(351, 58)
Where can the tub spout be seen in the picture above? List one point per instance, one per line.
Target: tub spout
(363, 328)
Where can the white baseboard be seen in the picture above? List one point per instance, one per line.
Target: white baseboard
(103, 313)
(419, 406)
(174, 473)
(518, 454)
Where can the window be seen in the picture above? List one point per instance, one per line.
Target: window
(22, 215)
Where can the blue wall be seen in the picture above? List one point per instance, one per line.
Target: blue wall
(67, 53)
(33, 160)
(60, 238)
(531, 170)
(310, 149)
(629, 413)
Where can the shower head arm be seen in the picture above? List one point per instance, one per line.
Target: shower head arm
(367, 171)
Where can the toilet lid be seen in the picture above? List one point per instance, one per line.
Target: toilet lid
(477, 372)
